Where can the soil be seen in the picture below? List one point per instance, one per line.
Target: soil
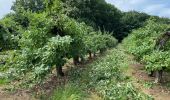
(37, 91)
(18, 95)
(140, 77)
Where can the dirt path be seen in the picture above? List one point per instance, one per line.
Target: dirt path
(18, 95)
(146, 84)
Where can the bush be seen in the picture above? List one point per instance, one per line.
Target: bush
(48, 42)
(143, 44)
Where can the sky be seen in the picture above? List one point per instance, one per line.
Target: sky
(154, 7)
(5, 6)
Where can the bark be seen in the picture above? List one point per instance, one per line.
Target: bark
(82, 59)
(76, 60)
(151, 74)
(59, 71)
(0, 49)
(102, 51)
(90, 55)
(94, 54)
(158, 78)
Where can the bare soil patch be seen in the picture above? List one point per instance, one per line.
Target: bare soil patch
(140, 78)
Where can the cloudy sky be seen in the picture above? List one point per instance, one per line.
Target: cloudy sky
(153, 7)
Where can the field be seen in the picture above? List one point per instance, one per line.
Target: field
(112, 75)
(83, 50)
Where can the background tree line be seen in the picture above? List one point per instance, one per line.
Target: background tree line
(96, 13)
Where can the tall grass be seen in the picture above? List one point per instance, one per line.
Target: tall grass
(68, 92)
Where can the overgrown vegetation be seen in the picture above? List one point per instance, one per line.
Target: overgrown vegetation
(41, 36)
(145, 43)
(46, 40)
(103, 77)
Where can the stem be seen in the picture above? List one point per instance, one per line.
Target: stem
(151, 74)
(158, 78)
(90, 55)
(59, 71)
(76, 60)
(102, 51)
(82, 59)
(94, 54)
(0, 49)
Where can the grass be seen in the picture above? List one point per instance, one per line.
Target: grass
(68, 92)
(3, 81)
(148, 85)
(78, 86)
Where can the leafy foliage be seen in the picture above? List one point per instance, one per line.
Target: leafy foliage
(48, 41)
(108, 80)
(45, 33)
(132, 20)
(33, 5)
(104, 77)
(8, 33)
(142, 44)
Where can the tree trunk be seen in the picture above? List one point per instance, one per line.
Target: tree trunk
(59, 71)
(102, 51)
(158, 78)
(1, 49)
(94, 54)
(151, 74)
(76, 60)
(82, 59)
(90, 55)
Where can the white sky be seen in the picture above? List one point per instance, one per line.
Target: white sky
(5, 6)
(154, 7)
